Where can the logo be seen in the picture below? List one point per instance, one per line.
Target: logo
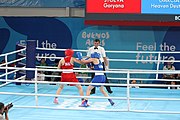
(100, 66)
(177, 18)
(67, 64)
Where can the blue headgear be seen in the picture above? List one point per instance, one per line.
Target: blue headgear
(95, 55)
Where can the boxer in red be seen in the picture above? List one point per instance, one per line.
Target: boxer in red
(68, 63)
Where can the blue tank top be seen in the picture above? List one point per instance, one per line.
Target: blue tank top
(98, 66)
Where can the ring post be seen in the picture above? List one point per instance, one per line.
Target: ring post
(30, 58)
(128, 91)
(36, 87)
(6, 68)
(158, 63)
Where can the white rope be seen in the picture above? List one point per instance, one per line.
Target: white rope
(22, 45)
(92, 97)
(53, 67)
(10, 81)
(79, 76)
(96, 71)
(22, 77)
(155, 111)
(64, 83)
(79, 108)
(160, 99)
(107, 77)
(65, 70)
(100, 109)
(120, 60)
(87, 69)
(59, 49)
(23, 58)
(62, 96)
(21, 63)
(20, 54)
(144, 79)
(110, 78)
(105, 84)
(49, 57)
(135, 60)
(4, 84)
(110, 51)
(9, 72)
(131, 52)
(13, 52)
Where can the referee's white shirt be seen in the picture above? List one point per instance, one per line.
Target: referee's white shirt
(100, 50)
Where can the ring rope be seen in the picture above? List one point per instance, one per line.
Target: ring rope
(144, 79)
(96, 71)
(106, 84)
(13, 52)
(7, 63)
(110, 51)
(119, 60)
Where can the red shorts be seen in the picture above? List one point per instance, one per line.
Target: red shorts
(68, 77)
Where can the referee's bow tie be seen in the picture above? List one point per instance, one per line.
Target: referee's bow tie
(95, 48)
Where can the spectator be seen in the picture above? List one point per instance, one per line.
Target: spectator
(134, 82)
(3, 109)
(43, 63)
(40, 76)
(178, 77)
(170, 67)
(103, 58)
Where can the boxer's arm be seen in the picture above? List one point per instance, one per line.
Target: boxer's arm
(86, 61)
(77, 61)
(60, 63)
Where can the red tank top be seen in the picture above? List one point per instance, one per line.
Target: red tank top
(67, 64)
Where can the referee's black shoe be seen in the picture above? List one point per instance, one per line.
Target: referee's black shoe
(92, 92)
(110, 92)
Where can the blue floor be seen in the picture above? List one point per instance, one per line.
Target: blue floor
(16, 113)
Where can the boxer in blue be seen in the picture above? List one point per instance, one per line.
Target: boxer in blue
(99, 77)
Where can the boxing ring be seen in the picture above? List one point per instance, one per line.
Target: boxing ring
(33, 99)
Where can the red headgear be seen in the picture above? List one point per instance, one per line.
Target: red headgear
(69, 52)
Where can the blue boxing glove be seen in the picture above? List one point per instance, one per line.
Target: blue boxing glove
(79, 55)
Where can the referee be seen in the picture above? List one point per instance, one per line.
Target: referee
(101, 51)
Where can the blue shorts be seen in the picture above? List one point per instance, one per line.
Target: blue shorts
(98, 79)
